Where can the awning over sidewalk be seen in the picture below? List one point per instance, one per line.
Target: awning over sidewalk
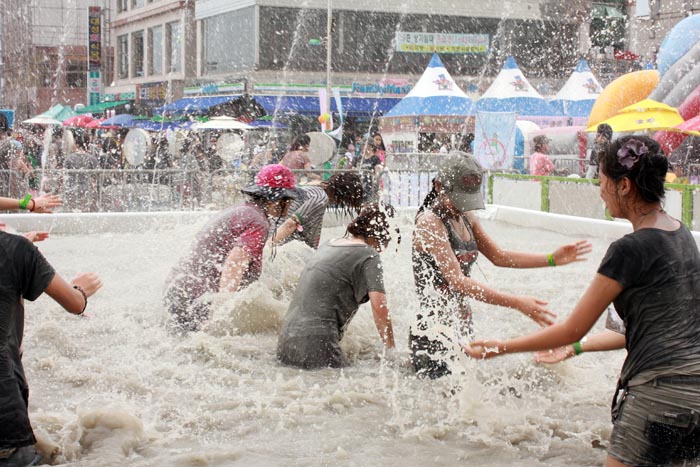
(194, 105)
(101, 107)
(309, 105)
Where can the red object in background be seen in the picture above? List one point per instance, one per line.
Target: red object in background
(95, 123)
(625, 55)
(79, 121)
(688, 109)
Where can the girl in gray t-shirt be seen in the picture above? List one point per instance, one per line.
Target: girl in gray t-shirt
(341, 275)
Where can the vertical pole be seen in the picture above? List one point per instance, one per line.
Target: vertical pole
(329, 48)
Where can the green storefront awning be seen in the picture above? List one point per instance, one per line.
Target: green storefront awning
(101, 107)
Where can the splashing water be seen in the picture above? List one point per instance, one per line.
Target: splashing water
(118, 389)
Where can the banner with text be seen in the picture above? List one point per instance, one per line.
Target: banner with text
(428, 42)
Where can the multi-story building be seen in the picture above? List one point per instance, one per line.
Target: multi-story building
(651, 20)
(154, 50)
(44, 53)
(280, 47)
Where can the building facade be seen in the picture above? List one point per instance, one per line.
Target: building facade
(44, 53)
(269, 42)
(154, 51)
(651, 20)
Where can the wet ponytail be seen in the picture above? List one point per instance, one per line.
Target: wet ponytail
(373, 223)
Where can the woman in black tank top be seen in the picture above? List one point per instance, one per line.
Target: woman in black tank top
(446, 242)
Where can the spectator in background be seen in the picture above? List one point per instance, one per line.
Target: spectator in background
(540, 163)
(298, 156)
(81, 188)
(600, 145)
(371, 166)
(378, 142)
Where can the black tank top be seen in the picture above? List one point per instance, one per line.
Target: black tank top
(426, 273)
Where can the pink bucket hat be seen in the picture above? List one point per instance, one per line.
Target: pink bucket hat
(273, 182)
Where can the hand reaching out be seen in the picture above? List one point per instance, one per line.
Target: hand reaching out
(88, 281)
(573, 252)
(44, 204)
(534, 308)
(35, 236)
(555, 355)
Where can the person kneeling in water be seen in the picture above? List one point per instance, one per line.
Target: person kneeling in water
(340, 276)
(227, 254)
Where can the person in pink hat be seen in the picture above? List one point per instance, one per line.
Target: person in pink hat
(227, 253)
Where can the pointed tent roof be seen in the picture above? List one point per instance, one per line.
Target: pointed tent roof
(435, 93)
(579, 93)
(511, 92)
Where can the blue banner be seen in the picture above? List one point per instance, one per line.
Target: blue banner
(494, 139)
(10, 114)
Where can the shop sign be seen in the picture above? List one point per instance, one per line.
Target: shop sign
(94, 88)
(215, 88)
(428, 42)
(153, 92)
(387, 87)
(94, 38)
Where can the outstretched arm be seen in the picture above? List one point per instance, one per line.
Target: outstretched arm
(600, 293)
(381, 318)
(518, 259)
(431, 237)
(40, 204)
(606, 340)
(70, 298)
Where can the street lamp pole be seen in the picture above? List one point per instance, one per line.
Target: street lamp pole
(329, 47)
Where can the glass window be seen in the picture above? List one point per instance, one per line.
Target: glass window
(137, 55)
(123, 44)
(137, 3)
(155, 45)
(220, 31)
(76, 74)
(174, 47)
(122, 5)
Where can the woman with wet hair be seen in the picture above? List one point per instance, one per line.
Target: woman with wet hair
(447, 241)
(652, 276)
(343, 192)
(339, 277)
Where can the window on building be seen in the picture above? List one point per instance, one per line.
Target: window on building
(155, 46)
(123, 45)
(46, 74)
(122, 5)
(174, 44)
(219, 32)
(137, 3)
(137, 54)
(76, 74)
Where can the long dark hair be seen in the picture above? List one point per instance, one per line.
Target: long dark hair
(300, 141)
(346, 190)
(641, 160)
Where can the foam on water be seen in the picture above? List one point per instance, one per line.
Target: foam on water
(118, 389)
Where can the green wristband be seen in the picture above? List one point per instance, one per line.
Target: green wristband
(550, 259)
(577, 348)
(24, 202)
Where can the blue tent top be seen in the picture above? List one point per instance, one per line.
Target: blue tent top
(268, 124)
(435, 93)
(511, 92)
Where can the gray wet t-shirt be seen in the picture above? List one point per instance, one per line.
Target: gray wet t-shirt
(336, 280)
(660, 302)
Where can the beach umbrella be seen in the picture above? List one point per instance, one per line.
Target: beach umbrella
(643, 115)
(42, 120)
(121, 120)
(79, 121)
(95, 123)
(222, 123)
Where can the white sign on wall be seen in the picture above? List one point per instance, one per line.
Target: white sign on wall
(428, 42)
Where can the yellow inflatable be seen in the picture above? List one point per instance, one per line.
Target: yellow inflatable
(621, 92)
